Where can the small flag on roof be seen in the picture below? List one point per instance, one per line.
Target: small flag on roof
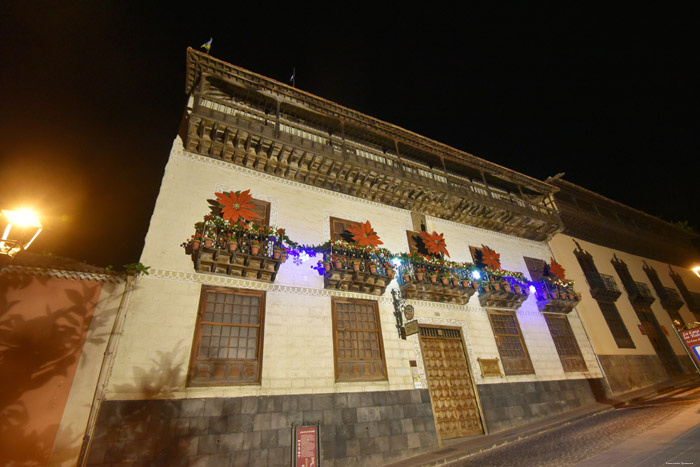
(207, 45)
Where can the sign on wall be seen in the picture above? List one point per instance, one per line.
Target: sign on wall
(306, 446)
(691, 339)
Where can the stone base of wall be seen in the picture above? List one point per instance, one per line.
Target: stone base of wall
(368, 428)
(506, 405)
(628, 372)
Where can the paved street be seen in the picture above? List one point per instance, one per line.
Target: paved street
(664, 430)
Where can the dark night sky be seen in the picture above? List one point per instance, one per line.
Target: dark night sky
(92, 93)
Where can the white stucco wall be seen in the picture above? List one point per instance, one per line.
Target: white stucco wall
(154, 353)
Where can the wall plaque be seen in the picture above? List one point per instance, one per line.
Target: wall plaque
(489, 367)
(306, 446)
(411, 327)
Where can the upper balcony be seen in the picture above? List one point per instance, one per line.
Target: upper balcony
(670, 299)
(255, 122)
(641, 294)
(604, 289)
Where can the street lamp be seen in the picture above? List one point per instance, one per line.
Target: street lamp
(696, 270)
(19, 229)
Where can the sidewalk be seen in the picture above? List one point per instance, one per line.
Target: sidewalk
(454, 450)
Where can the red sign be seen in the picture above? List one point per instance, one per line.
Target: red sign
(691, 338)
(306, 446)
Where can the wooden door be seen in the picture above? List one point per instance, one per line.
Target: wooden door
(452, 391)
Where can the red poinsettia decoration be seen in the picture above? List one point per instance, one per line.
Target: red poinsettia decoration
(364, 234)
(434, 243)
(235, 205)
(556, 269)
(490, 258)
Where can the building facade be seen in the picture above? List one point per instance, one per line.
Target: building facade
(228, 348)
(638, 282)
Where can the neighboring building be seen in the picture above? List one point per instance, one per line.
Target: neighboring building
(56, 319)
(638, 280)
(224, 352)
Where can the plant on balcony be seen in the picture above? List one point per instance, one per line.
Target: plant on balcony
(229, 232)
(434, 243)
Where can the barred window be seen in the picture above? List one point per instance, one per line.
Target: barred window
(511, 346)
(357, 341)
(228, 340)
(565, 342)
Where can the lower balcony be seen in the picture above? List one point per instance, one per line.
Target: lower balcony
(437, 281)
(445, 291)
(355, 277)
(503, 293)
(555, 298)
(260, 262)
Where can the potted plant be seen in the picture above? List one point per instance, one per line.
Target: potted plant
(433, 277)
(373, 267)
(254, 247)
(445, 278)
(209, 239)
(276, 252)
(356, 263)
(232, 242)
(327, 265)
(420, 272)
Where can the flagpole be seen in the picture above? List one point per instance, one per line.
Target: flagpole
(294, 77)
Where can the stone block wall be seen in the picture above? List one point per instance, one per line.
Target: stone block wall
(507, 405)
(629, 372)
(368, 428)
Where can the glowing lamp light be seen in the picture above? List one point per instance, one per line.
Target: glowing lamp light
(696, 270)
(19, 229)
(532, 289)
(476, 275)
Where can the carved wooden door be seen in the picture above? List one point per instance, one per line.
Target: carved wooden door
(451, 388)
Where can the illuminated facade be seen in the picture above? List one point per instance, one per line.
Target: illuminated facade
(227, 348)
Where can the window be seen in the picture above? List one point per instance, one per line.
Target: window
(339, 229)
(565, 342)
(511, 346)
(262, 212)
(357, 341)
(228, 340)
(616, 325)
(535, 267)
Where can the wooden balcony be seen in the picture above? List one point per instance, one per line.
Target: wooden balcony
(236, 264)
(502, 294)
(351, 280)
(670, 300)
(554, 298)
(641, 295)
(316, 142)
(605, 289)
(447, 292)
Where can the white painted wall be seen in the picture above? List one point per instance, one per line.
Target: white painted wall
(153, 356)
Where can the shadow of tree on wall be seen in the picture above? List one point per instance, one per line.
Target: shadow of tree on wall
(38, 355)
(150, 429)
